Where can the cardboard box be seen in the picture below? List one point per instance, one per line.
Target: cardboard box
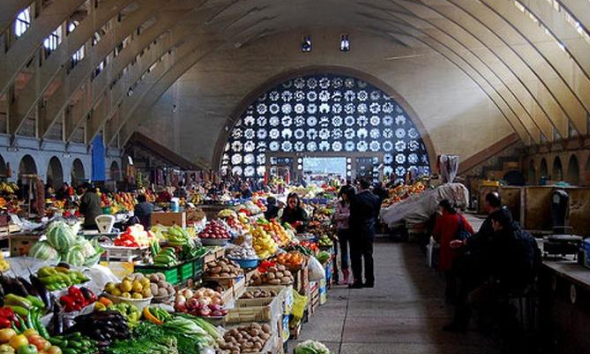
(169, 219)
(21, 244)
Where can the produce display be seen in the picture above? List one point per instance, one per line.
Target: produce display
(293, 260)
(403, 191)
(270, 273)
(259, 294)
(245, 251)
(88, 310)
(215, 230)
(245, 339)
(63, 244)
(325, 241)
(278, 233)
(223, 268)
(311, 347)
(263, 243)
(134, 286)
(135, 236)
(60, 277)
(77, 298)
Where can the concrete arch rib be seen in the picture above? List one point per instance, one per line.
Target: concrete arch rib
(23, 49)
(102, 110)
(33, 91)
(576, 74)
(80, 74)
(579, 9)
(458, 49)
(547, 114)
(545, 61)
(466, 33)
(125, 123)
(11, 9)
(474, 75)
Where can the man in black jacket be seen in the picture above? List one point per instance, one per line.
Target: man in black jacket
(364, 209)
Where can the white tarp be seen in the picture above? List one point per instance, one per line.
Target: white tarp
(419, 208)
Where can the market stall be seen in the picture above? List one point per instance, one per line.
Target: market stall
(232, 283)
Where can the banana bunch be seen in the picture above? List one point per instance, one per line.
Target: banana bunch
(177, 236)
(166, 258)
(4, 265)
(9, 188)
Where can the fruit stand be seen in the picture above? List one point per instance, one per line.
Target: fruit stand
(238, 284)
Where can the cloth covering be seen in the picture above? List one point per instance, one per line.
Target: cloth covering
(418, 208)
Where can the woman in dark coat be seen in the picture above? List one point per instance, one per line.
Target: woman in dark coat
(294, 213)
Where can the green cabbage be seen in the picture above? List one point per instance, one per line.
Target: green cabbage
(311, 347)
(61, 236)
(43, 250)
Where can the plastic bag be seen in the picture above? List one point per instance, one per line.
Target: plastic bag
(316, 270)
(299, 305)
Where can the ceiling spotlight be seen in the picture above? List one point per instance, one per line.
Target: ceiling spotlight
(174, 108)
(344, 43)
(306, 44)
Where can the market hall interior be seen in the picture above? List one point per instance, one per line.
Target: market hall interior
(199, 106)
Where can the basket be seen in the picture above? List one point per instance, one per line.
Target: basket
(215, 241)
(246, 263)
(139, 303)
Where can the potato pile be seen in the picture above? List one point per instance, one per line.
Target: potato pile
(275, 275)
(245, 339)
(159, 286)
(259, 294)
(223, 268)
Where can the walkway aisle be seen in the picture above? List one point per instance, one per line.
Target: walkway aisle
(403, 314)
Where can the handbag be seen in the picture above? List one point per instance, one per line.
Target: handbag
(462, 233)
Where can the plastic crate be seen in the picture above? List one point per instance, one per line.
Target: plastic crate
(186, 271)
(198, 265)
(172, 274)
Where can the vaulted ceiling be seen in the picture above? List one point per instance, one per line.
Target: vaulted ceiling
(531, 58)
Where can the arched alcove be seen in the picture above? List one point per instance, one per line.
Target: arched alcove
(55, 174)
(78, 173)
(3, 170)
(543, 169)
(514, 178)
(27, 166)
(532, 173)
(115, 171)
(557, 173)
(573, 171)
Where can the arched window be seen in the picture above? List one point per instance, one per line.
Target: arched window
(543, 170)
(23, 22)
(27, 166)
(573, 171)
(532, 173)
(325, 114)
(55, 174)
(557, 174)
(78, 174)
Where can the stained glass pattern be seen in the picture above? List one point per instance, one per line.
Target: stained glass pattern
(325, 113)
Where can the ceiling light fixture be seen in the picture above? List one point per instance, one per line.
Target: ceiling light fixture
(344, 43)
(306, 44)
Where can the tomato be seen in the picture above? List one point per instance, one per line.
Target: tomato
(37, 341)
(18, 341)
(27, 349)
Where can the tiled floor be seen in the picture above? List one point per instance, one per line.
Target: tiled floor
(403, 314)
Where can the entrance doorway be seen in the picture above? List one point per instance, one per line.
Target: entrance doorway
(320, 170)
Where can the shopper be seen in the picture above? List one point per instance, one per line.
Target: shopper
(364, 209)
(294, 214)
(448, 227)
(272, 210)
(342, 218)
(246, 192)
(380, 192)
(90, 206)
(143, 211)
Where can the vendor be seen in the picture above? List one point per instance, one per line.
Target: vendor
(294, 213)
(272, 210)
(143, 211)
(246, 192)
(90, 206)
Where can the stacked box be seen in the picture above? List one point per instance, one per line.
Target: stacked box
(323, 292)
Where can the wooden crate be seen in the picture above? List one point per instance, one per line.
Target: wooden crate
(169, 219)
(302, 279)
(127, 254)
(249, 314)
(214, 253)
